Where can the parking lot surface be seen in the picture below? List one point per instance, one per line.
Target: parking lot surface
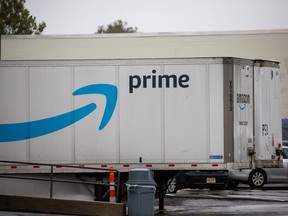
(271, 200)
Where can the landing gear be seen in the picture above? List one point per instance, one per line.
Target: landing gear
(162, 178)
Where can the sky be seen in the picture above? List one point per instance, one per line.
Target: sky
(153, 16)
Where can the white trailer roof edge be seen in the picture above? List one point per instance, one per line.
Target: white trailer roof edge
(266, 63)
(152, 61)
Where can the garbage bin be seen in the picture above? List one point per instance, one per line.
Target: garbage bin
(141, 192)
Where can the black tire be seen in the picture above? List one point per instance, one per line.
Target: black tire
(171, 186)
(257, 178)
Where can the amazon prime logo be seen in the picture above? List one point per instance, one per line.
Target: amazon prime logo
(27, 130)
(243, 99)
(158, 81)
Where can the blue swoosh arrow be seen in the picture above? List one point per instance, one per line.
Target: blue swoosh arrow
(242, 107)
(109, 91)
(28, 130)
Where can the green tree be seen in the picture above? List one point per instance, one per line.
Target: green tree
(116, 27)
(16, 19)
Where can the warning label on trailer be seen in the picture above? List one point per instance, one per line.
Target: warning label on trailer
(243, 123)
(216, 156)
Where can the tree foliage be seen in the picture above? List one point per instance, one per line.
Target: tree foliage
(116, 27)
(16, 19)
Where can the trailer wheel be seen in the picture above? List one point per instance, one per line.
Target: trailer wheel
(171, 186)
(257, 178)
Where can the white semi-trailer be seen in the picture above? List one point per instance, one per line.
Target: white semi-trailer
(196, 118)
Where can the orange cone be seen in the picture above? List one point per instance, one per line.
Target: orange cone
(112, 187)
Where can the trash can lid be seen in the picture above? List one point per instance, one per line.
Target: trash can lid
(141, 177)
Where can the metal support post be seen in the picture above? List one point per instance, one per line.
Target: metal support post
(51, 182)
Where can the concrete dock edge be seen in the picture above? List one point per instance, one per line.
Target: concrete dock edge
(60, 206)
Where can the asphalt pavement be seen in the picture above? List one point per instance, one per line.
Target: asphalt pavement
(271, 200)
